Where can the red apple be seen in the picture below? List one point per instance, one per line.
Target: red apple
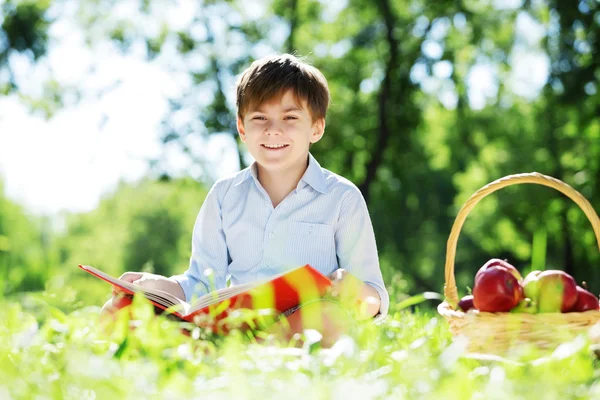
(496, 262)
(496, 289)
(585, 301)
(466, 303)
(557, 291)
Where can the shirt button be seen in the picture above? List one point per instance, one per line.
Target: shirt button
(271, 235)
(268, 264)
(267, 202)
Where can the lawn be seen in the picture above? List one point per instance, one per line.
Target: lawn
(49, 353)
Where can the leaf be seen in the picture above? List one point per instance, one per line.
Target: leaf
(418, 299)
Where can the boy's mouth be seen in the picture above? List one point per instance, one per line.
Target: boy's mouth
(274, 146)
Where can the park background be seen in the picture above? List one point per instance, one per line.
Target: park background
(117, 116)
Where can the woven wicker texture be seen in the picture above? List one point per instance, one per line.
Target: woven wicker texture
(498, 332)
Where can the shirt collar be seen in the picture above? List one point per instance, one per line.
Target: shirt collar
(313, 176)
(246, 174)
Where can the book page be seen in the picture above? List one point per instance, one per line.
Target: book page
(219, 295)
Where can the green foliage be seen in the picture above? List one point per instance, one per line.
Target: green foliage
(145, 226)
(45, 352)
(403, 131)
(27, 252)
(146, 223)
(25, 27)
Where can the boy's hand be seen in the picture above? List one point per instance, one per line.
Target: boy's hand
(345, 286)
(352, 292)
(152, 281)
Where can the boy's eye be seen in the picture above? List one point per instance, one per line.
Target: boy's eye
(259, 118)
(291, 117)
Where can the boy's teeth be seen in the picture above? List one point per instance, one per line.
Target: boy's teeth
(274, 146)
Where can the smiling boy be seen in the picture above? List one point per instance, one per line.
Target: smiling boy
(284, 210)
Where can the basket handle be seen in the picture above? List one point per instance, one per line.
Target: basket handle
(450, 290)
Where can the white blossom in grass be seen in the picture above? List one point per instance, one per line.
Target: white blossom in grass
(312, 340)
(399, 355)
(594, 331)
(453, 352)
(25, 338)
(365, 389)
(418, 342)
(345, 346)
(568, 349)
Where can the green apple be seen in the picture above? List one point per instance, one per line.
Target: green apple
(557, 292)
(531, 285)
(526, 306)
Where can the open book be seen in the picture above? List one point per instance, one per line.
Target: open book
(278, 293)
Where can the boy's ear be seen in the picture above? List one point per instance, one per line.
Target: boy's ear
(319, 130)
(240, 128)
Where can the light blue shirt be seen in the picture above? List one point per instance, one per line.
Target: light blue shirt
(239, 235)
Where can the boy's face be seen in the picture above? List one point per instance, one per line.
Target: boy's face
(278, 133)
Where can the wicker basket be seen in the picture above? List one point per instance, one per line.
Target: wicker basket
(497, 333)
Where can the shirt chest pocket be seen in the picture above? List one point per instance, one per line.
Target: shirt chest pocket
(311, 243)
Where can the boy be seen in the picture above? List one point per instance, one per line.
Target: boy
(284, 210)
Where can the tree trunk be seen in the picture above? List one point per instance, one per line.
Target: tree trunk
(383, 133)
(290, 45)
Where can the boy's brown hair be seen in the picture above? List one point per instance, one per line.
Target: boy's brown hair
(270, 77)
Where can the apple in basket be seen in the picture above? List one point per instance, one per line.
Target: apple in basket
(496, 289)
(552, 290)
(530, 284)
(496, 262)
(466, 303)
(586, 301)
(526, 306)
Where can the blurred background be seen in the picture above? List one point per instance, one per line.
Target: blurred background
(117, 115)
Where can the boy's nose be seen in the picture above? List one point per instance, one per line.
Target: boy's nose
(273, 129)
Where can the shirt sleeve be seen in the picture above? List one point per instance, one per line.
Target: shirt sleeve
(356, 247)
(210, 257)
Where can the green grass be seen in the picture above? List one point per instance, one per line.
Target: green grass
(48, 353)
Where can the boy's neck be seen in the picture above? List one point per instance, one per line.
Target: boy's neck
(278, 184)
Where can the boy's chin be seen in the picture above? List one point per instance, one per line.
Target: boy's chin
(273, 166)
(281, 164)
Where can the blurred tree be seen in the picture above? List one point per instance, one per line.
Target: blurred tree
(145, 226)
(24, 30)
(554, 132)
(24, 42)
(431, 100)
(27, 257)
(154, 240)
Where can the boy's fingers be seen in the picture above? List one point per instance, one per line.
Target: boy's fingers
(131, 276)
(338, 274)
(337, 278)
